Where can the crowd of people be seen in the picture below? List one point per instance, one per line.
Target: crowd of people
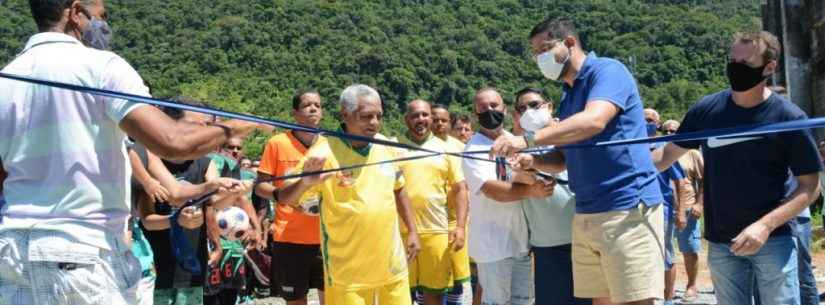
(107, 201)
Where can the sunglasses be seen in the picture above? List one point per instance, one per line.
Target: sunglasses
(669, 131)
(532, 104)
(233, 147)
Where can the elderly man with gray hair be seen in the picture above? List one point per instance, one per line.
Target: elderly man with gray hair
(364, 256)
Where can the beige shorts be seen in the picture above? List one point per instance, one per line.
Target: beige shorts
(619, 254)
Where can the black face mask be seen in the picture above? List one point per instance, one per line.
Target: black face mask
(742, 77)
(491, 119)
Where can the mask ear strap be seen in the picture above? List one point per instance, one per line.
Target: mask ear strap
(86, 12)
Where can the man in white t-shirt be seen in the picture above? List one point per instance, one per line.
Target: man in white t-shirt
(498, 229)
(67, 200)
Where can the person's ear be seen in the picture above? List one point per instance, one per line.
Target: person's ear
(77, 14)
(570, 41)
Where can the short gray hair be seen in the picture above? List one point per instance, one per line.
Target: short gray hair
(351, 95)
(671, 122)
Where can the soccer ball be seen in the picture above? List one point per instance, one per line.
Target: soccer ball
(233, 223)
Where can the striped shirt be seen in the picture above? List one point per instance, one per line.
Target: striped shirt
(63, 150)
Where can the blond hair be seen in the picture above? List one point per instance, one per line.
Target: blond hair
(772, 46)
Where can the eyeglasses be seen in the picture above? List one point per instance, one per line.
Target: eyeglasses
(532, 104)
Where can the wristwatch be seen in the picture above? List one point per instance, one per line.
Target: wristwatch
(530, 138)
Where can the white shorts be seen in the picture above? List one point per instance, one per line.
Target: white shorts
(39, 268)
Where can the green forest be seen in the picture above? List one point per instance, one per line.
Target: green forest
(251, 56)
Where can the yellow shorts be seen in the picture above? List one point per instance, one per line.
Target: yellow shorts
(619, 254)
(431, 270)
(397, 293)
(461, 262)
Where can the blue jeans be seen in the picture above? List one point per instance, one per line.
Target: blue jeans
(508, 281)
(808, 294)
(774, 268)
(690, 239)
(554, 276)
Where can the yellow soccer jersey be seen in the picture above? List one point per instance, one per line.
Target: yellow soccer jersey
(360, 237)
(428, 181)
(456, 146)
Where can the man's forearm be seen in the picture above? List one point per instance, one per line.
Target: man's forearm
(191, 191)
(213, 233)
(681, 203)
(139, 170)
(185, 141)
(665, 157)
(246, 205)
(505, 192)
(264, 189)
(552, 162)
(574, 129)
(155, 222)
(461, 203)
(179, 140)
(402, 205)
(291, 194)
(801, 198)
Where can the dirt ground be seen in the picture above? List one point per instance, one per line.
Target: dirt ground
(704, 283)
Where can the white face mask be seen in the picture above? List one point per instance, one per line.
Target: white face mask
(548, 65)
(535, 119)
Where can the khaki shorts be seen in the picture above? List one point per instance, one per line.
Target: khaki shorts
(619, 254)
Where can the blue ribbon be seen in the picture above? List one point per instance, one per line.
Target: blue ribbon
(223, 113)
(723, 133)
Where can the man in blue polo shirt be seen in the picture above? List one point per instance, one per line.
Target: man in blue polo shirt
(618, 225)
(746, 210)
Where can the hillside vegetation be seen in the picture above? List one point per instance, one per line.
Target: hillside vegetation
(252, 55)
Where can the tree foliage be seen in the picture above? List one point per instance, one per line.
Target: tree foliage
(251, 56)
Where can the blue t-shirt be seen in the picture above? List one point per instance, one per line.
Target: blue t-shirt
(673, 173)
(745, 177)
(612, 178)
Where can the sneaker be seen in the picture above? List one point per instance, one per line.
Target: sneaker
(260, 264)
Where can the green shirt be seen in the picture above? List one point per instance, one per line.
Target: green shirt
(550, 219)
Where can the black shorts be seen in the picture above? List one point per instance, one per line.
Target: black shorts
(296, 268)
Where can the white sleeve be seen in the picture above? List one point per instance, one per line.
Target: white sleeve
(476, 172)
(119, 76)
